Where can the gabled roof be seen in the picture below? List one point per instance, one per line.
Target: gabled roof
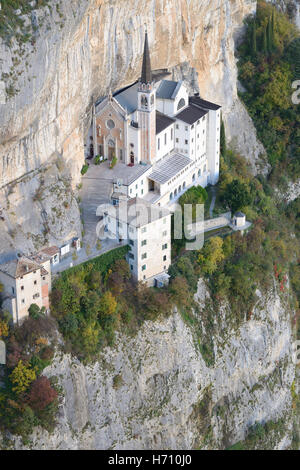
(50, 251)
(19, 266)
(169, 167)
(163, 121)
(168, 89)
(128, 98)
(196, 100)
(191, 114)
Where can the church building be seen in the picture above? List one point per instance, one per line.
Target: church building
(166, 140)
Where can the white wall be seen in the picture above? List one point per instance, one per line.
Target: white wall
(213, 144)
(165, 142)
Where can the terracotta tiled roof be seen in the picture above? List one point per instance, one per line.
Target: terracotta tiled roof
(19, 266)
(51, 250)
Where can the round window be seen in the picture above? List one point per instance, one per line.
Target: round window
(110, 124)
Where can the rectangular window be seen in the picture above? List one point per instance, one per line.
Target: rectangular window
(22, 288)
(120, 224)
(144, 229)
(131, 229)
(144, 255)
(165, 258)
(131, 255)
(35, 283)
(165, 246)
(131, 267)
(177, 140)
(165, 138)
(172, 133)
(177, 126)
(186, 142)
(158, 143)
(144, 267)
(165, 233)
(144, 242)
(131, 242)
(186, 128)
(121, 154)
(13, 289)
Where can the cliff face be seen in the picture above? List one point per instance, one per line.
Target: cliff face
(155, 390)
(78, 51)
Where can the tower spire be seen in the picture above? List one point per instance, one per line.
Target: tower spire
(146, 68)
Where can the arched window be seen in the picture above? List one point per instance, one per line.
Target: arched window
(179, 189)
(175, 193)
(194, 177)
(181, 104)
(199, 172)
(171, 196)
(183, 185)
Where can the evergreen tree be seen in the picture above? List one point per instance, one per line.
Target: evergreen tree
(269, 37)
(265, 46)
(253, 40)
(223, 139)
(273, 27)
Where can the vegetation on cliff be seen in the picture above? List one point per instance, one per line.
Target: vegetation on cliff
(27, 398)
(269, 61)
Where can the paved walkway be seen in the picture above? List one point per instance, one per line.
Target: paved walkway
(95, 190)
(82, 256)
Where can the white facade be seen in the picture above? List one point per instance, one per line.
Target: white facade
(147, 230)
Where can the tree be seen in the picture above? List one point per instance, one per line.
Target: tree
(41, 394)
(253, 40)
(237, 195)
(269, 36)
(36, 312)
(223, 139)
(107, 305)
(265, 42)
(90, 337)
(21, 377)
(211, 255)
(180, 292)
(4, 329)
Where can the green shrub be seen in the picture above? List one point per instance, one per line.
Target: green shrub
(84, 169)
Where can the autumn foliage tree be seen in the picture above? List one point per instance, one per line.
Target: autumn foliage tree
(41, 394)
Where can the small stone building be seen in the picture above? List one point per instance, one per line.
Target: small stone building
(239, 219)
(26, 281)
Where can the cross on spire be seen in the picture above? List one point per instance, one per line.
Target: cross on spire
(146, 68)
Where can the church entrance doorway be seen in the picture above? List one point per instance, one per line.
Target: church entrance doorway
(111, 150)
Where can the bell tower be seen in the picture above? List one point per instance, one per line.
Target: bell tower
(147, 109)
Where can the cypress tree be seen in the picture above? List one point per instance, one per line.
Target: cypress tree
(273, 27)
(269, 37)
(223, 139)
(253, 41)
(265, 41)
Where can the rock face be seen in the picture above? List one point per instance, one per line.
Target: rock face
(82, 48)
(155, 390)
